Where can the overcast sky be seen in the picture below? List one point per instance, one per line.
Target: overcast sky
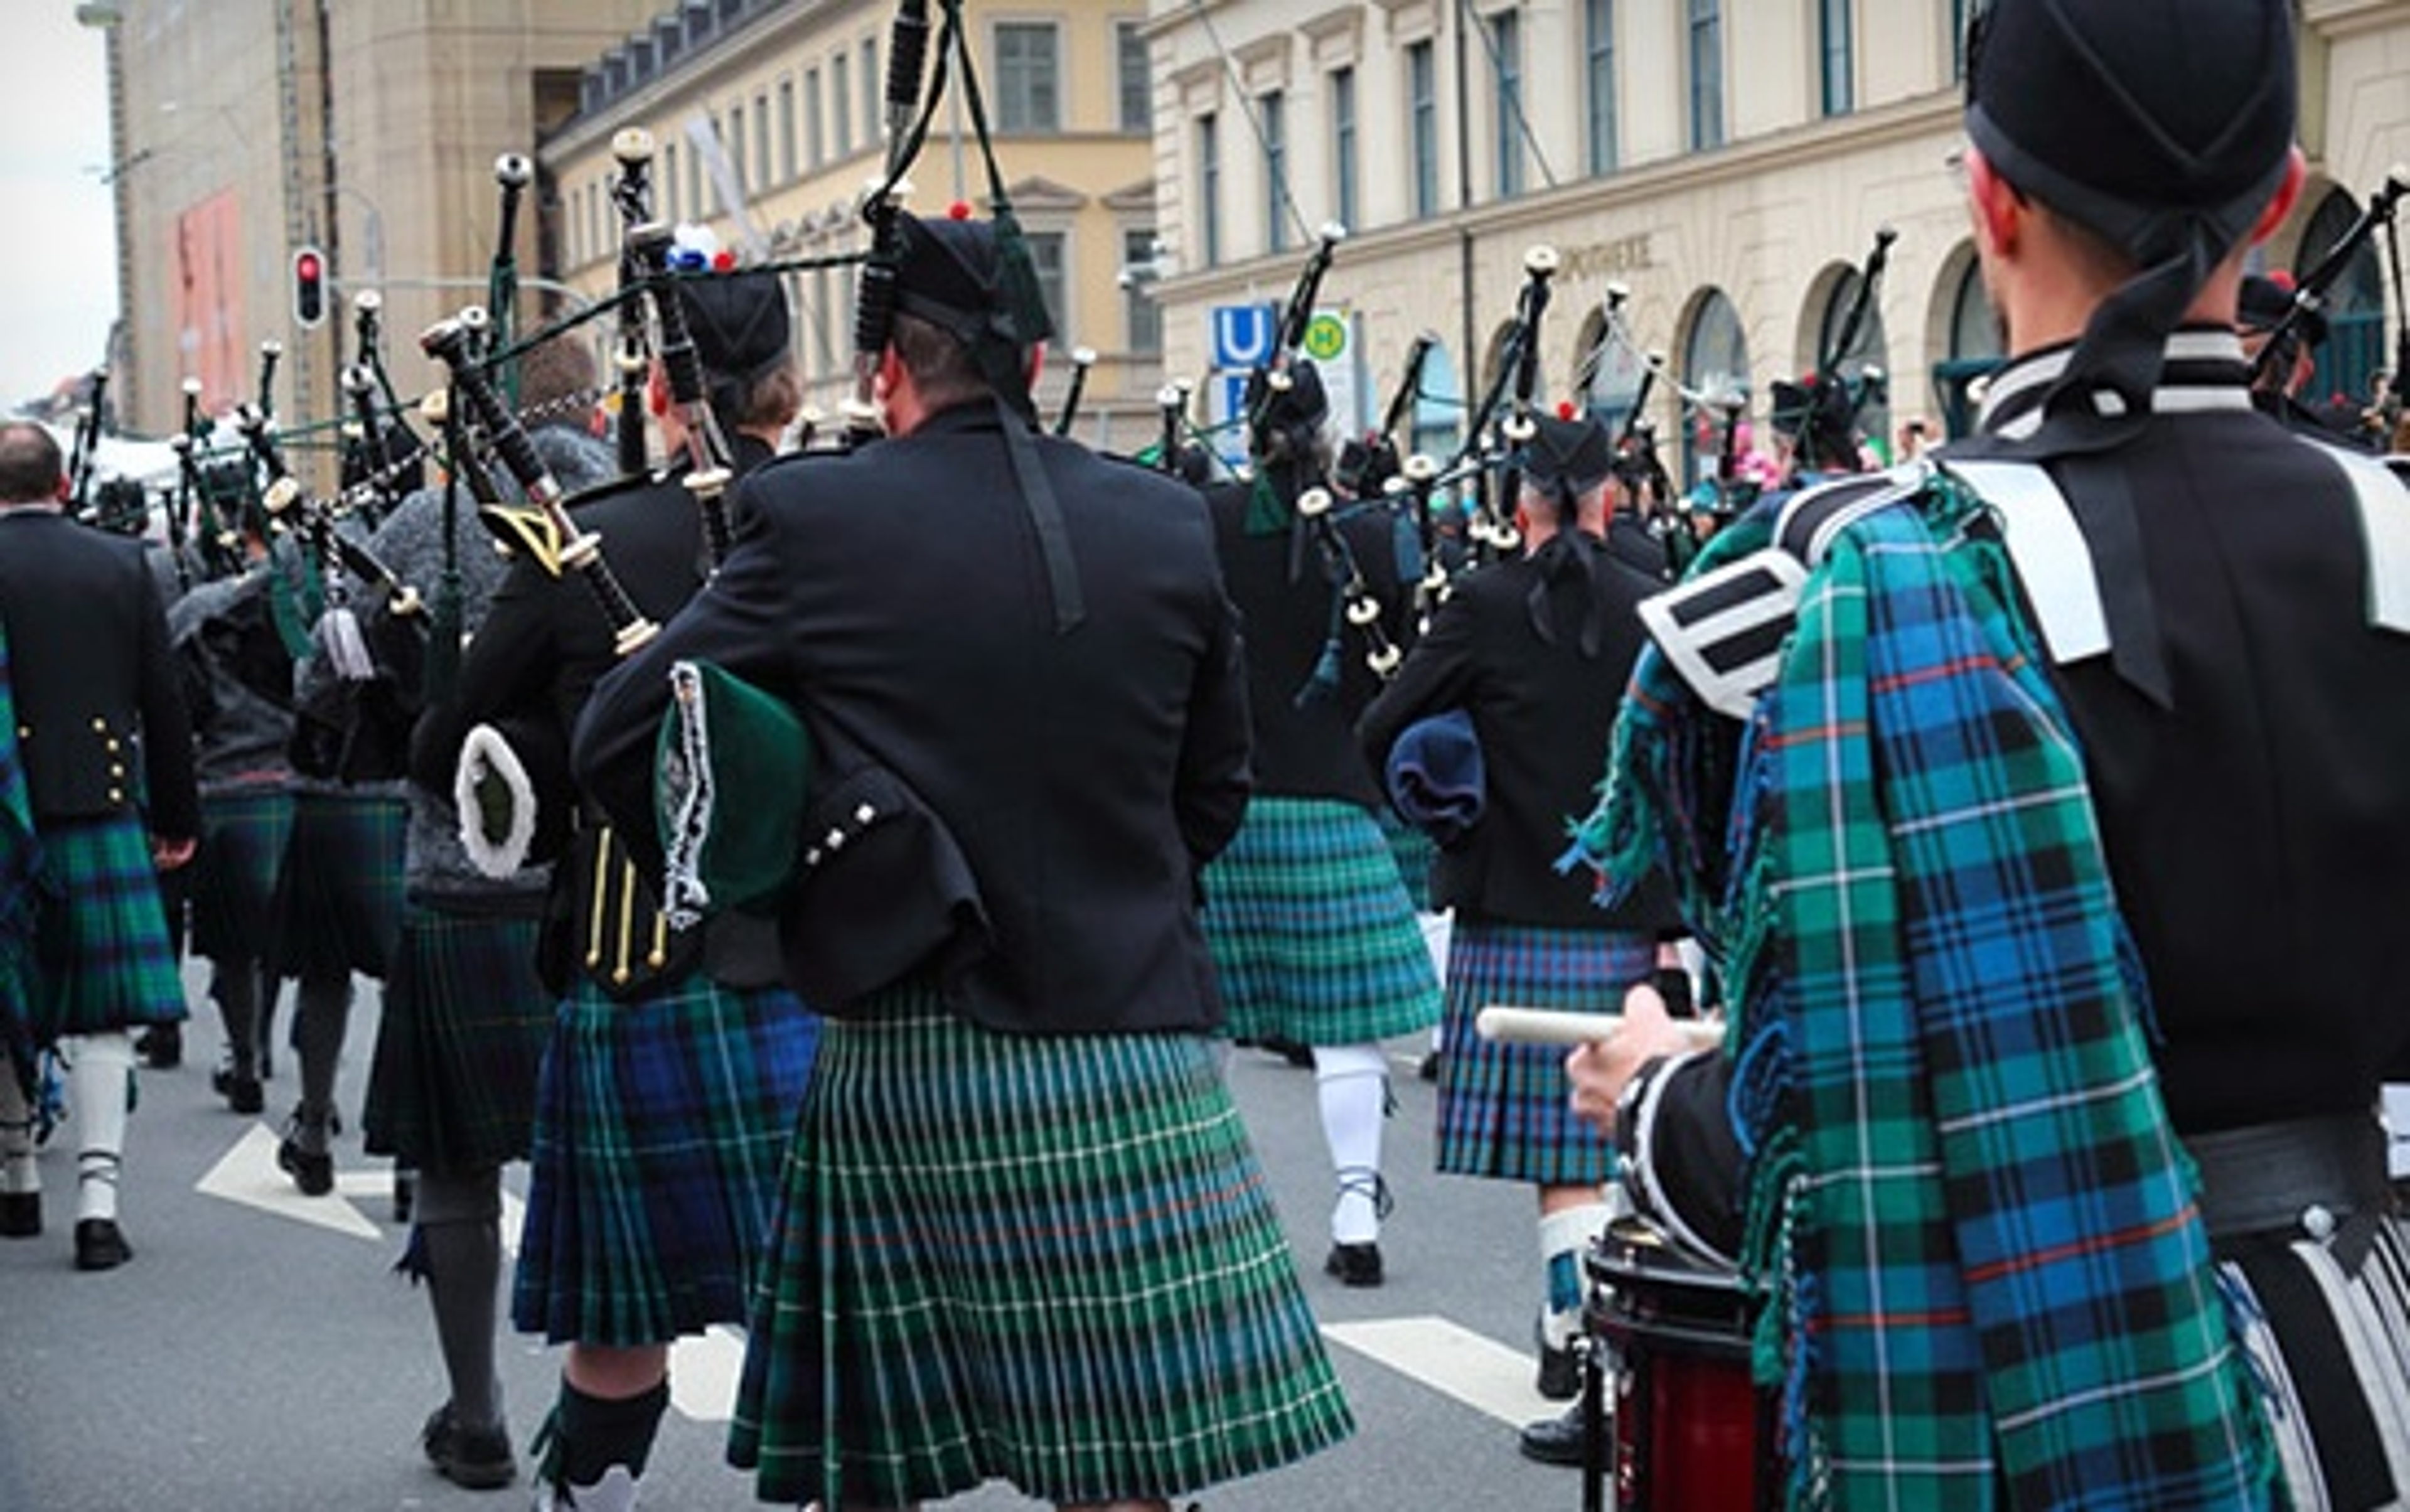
(58, 259)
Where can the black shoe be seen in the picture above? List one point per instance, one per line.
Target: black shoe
(162, 1046)
(1560, 1373)
(243, 1094)
(1556, 1440)
(474, 1458)
(405, 1193)
(1428, 1069)
(20, 1215)
(313, 1173)
(1355, 1265)
(99, 1246)
(1290, 1050)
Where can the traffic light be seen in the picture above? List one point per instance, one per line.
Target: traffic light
(309, 287)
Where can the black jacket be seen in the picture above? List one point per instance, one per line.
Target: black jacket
(1305, 742)
(1543, 711)
(1087, 777)
(100, 721)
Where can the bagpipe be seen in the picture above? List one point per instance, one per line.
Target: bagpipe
(2310, 291)
(1822, 411)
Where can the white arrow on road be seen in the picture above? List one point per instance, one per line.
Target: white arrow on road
(248, 1174)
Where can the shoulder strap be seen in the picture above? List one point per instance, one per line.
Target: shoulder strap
(2384, 503)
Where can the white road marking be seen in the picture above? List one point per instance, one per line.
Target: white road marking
(1473, 1368)
(248, 1174)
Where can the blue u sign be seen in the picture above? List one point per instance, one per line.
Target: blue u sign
(1243, 335)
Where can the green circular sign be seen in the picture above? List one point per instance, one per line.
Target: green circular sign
(1326, 337)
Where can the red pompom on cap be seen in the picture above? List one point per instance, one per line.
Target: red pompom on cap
(1564, 409)
(959, 211)
(723, 260)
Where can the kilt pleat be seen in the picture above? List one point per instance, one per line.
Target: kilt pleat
(2328, 1326)
(460, 1043)
(1505, 1109)
(245, 832)
(660, 1125)
(101, 956)
(1052, 1259)
(338, 899)
(1311, 932)
(1414, 853)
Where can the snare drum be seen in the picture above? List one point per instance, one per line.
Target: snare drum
(1691, 1430)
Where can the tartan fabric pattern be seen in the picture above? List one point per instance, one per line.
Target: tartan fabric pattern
(23, 882)
(101, 945)
(1415, 852)
(659, 1129)
(1052, 1259)
(460, 1044)
(1311, 930)
(2353, 1294)
(1984, 1262)
(245, 834)
(339, 902)
(1504, 1110)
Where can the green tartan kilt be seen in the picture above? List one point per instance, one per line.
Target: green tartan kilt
(245, 834)
(101, 954)
(460, 1043)
(338, 902)
(1312, 935)
(660, 1125)
(1049, 1258)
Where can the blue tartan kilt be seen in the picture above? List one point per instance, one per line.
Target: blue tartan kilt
(1505, 1110)
(1049, 1259)
(101, 954)
(1311, 929)
(1414, 854)
(460, 1043)
(245, 834)
(661, 1126)
(339, 907)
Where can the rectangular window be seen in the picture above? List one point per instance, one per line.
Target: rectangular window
(1707, 55)
(1273, 108)
(873, 96)
(824, 317)
(1209, 187)
(1958, 10)
(1344, 191)
(670, 181)
(1422, 125)
(1507, 50)
(734, 143)
(1599, 38)
(841, 105)
(1131, 69)
(786, 131)
(1833, 24)
(814, 134)
(696, 208)
(1046, 257)
(1140, 312)
(1028, 76)
(761, 178)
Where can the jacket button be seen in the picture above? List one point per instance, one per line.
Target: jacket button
(864, 814)
(99, 725)
(112, 745)
(116, 769)
(24, 732)
(835, 839)
(116, 796)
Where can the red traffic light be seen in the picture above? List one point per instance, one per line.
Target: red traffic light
(309, 287)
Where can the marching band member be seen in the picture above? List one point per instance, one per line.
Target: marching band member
(460, 1040)
(1524, 652)
(1017, 1182)
(2134, 706)
(97, 795)
(676, 1057)
(1315, 937)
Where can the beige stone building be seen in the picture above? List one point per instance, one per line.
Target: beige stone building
(769, 134)
(243, 129)
(1727, 164)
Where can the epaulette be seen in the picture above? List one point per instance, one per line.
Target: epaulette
(2381, 488)
(1724, 631)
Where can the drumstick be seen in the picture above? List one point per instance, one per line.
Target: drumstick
(1504, 1025)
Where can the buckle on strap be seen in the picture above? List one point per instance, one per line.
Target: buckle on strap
(2307, 1174)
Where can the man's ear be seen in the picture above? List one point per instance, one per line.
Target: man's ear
(1998, 208)
(2280, 204)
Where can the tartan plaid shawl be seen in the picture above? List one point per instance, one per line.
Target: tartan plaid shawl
(23, 883)
(1969, 1224)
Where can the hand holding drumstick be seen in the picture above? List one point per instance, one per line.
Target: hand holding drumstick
(1609, 1050)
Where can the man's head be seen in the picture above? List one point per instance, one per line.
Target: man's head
(556, 376)
(2158, 133)
(31, 471)
(1565, 467)
(2261, 311)
(742, 335)
(1288, 411)
(957, 334)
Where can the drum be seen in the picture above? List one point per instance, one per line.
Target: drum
(1691, 1429)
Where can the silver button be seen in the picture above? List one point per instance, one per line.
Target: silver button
(2317, 1221)
(864, 814)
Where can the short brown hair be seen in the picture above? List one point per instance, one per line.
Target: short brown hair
(30, 466)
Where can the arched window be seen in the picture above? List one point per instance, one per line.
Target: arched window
(1715, 361)
(1438, 420)
(1974, 348)
(1867, 353)
(2354, 304)
(1609, 378)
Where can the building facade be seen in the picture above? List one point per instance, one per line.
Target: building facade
(244, 129)
(769, 133)
(1719, 170)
